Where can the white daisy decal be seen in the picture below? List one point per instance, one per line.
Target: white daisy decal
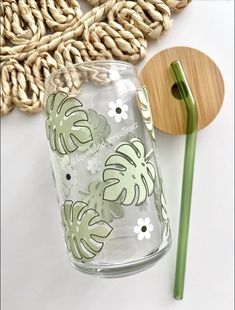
(118, 110)
(67, 175)
(69, 179)
(93, 165)
(143, 229)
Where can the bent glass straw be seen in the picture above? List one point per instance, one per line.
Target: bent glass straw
(190, 146)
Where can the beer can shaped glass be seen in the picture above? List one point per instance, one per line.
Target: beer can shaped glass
(106, 168)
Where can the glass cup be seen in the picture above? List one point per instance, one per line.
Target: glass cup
(105, 167)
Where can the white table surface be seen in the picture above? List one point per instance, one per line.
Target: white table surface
(35, 272)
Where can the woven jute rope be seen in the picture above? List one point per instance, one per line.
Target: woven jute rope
(112, 29)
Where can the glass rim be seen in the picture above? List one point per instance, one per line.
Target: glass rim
(88, 63)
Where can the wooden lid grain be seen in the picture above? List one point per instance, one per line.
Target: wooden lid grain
(205, 80)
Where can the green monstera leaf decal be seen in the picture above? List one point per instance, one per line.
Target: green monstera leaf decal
(145, 109)
(66, 123)
(129, 174)
(160, 203)
(108, 210)
(99, 129)
(85, 231)
(69, 127)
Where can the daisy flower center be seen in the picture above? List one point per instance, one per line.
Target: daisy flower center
(143, 228)
(68, 176)
(118, 110)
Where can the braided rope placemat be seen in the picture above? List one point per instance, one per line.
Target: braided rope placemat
(112, 29)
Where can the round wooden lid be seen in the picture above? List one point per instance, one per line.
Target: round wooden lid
(205, 81)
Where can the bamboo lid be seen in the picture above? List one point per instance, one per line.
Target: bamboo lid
(205, 80)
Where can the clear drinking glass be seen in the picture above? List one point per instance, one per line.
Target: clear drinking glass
(105, 167)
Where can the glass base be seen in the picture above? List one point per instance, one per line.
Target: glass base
(126, 269)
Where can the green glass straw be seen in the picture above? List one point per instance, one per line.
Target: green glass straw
(192, 119)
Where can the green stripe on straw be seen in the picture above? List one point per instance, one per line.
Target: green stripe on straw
(192, 120)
